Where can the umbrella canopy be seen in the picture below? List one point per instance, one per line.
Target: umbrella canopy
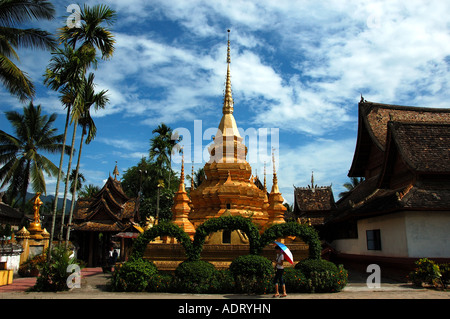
(286, 252)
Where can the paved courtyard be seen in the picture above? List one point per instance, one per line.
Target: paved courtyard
(94, 286)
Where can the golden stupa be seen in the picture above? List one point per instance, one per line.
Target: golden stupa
(228, 187)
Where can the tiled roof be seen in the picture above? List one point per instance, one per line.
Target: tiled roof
(377, 116)
(373, 121)
(425, 147)
(109, 210)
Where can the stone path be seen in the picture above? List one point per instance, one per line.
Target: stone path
(94, 282)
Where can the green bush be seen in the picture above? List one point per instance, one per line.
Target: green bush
(222, 282)
(160, 283)
(427, 271)
(54, 274)
(307, 266)
(295, 280)
(133, 276)
(445, 274)
(194, 276)
(327, 281)
(316, 275)
(252, 274)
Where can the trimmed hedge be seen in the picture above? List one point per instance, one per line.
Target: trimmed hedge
(162, 229)
(194, 276)
(252, 274)
(133, 276)
(307, 233)
(194, 249)
(229, 223)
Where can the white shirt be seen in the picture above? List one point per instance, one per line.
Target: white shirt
(280, 258)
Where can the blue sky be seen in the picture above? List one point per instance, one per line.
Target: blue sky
(297, 66)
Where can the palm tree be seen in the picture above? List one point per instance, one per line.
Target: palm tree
(13, 13)
(88, 191)
(93, 34)
(354, 181)
(80, 180)
(21, 155)
(86, 98)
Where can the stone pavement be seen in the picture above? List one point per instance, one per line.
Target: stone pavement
(94, 284)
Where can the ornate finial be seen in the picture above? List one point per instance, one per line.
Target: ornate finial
(115, 172)
(312, 182)
(228, 50)
(182, 167)
(275, 179)
(228, 99)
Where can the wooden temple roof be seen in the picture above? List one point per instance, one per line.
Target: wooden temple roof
(373, 121)
(109, 210)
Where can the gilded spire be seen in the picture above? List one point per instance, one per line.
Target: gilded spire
(228, 99)
(181, 188)
(275, 179)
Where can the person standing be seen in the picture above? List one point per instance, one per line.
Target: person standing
(279, 268)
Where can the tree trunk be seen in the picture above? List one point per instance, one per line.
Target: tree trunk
(55, 203)
(74, 189)
(61, 233)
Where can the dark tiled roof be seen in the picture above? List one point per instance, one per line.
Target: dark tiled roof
(377, 116)
(315, 203)
(314, 199)
(425, 147)
(373, 121)
(109, 210)
(7, 211)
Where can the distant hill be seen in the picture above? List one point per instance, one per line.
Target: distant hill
(51, 198)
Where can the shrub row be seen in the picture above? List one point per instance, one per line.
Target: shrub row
(250, 274)
(194, 248)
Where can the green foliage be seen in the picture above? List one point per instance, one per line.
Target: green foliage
(315, 276)
(54, 274)
(307, 266)
(143, 177)
(228, 223)
(252, 273)
(307, 233)
(194, 276)
(445, 272)
(162, 229)
(133, 276)
(160, 283)
(427, 271)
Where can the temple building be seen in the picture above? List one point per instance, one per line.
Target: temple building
(401, 211)
(314, 204)
(106, 217)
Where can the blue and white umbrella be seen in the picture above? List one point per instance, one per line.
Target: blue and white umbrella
(286, 252)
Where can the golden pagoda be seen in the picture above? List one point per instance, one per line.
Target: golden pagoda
(228, 186)
(228, 190)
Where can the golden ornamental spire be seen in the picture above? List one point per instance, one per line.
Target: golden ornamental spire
(181, 187)
(275, 179)
(228, 99)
